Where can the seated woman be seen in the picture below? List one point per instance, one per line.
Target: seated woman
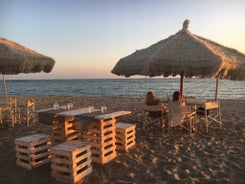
(151, 100)
(178, 109)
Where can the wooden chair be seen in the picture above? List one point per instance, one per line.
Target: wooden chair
(211, 114)
(183, 116)
(27, 111)
(30, 111)
(154, 115)
(9, 107)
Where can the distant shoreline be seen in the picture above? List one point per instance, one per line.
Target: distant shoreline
(125, 87)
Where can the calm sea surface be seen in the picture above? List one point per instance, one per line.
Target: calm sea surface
(126, 87)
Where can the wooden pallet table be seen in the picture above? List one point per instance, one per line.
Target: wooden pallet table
(125, 136)
(101, 135)
(33, 151)
(71, 161)
(62, 129)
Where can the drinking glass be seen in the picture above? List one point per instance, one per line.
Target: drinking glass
(90, 109)
(102, 109)
(69, 106)
(56, 105)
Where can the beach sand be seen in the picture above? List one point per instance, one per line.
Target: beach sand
(158, 157)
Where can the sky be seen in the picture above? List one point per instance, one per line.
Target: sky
(86, 38)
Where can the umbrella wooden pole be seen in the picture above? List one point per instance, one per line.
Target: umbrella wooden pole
(4, 87)
(217, 86)
(181, 83)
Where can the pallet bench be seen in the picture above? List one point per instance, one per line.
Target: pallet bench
(125, 136)
(33, 150)
(62, 130)
(71, 161)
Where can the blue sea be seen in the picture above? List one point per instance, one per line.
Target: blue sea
(125, 87)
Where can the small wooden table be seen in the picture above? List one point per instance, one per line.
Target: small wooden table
(99, 128)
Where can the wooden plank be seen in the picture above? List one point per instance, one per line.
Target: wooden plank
(125, 136)
(34, 164)
(67, 147)
(112, 115)
(125, 147)
(62, 125)
(125, 132)
(121, 125)
(40, 156)
(63, 133)
(64, 139)
(64, 178)
(31, 158)
(103, 152)
(104, 160)
(32, 139)
(212, 105)
(71, 161)
(102, 147)
(124, 140)
(46, 146)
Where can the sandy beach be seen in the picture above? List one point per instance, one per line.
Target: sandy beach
(157, 157)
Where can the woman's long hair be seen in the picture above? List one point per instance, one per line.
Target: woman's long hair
(150, 98)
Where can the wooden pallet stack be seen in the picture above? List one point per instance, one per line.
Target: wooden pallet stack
(71, 161)
(125, 136)
(101, 135)
(33, 150)
(62, 130)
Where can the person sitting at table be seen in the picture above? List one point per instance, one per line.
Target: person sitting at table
(178, 109)
(151, 100)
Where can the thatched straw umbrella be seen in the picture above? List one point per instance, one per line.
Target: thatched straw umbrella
(184, 54)
(15, 59)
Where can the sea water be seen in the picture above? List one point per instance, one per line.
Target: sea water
(126, 87)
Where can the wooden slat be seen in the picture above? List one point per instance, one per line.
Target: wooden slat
(66, 162)
(112, 115)
(212, 105)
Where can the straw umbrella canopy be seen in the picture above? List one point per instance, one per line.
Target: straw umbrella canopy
(15, 59)
(184, 54)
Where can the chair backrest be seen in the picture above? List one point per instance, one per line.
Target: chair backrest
(175, 107)
(30, 111)
(153, 108)
(211, 105)
(30, 103)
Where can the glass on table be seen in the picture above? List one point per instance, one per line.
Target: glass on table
(56, 105)
(90, 109)
(103, 109)
(69, 106)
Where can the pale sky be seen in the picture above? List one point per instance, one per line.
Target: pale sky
(87, 37)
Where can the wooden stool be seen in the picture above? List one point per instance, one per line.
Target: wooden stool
(71, 161)
(125, 136)
(33, 151)
(28, 112)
